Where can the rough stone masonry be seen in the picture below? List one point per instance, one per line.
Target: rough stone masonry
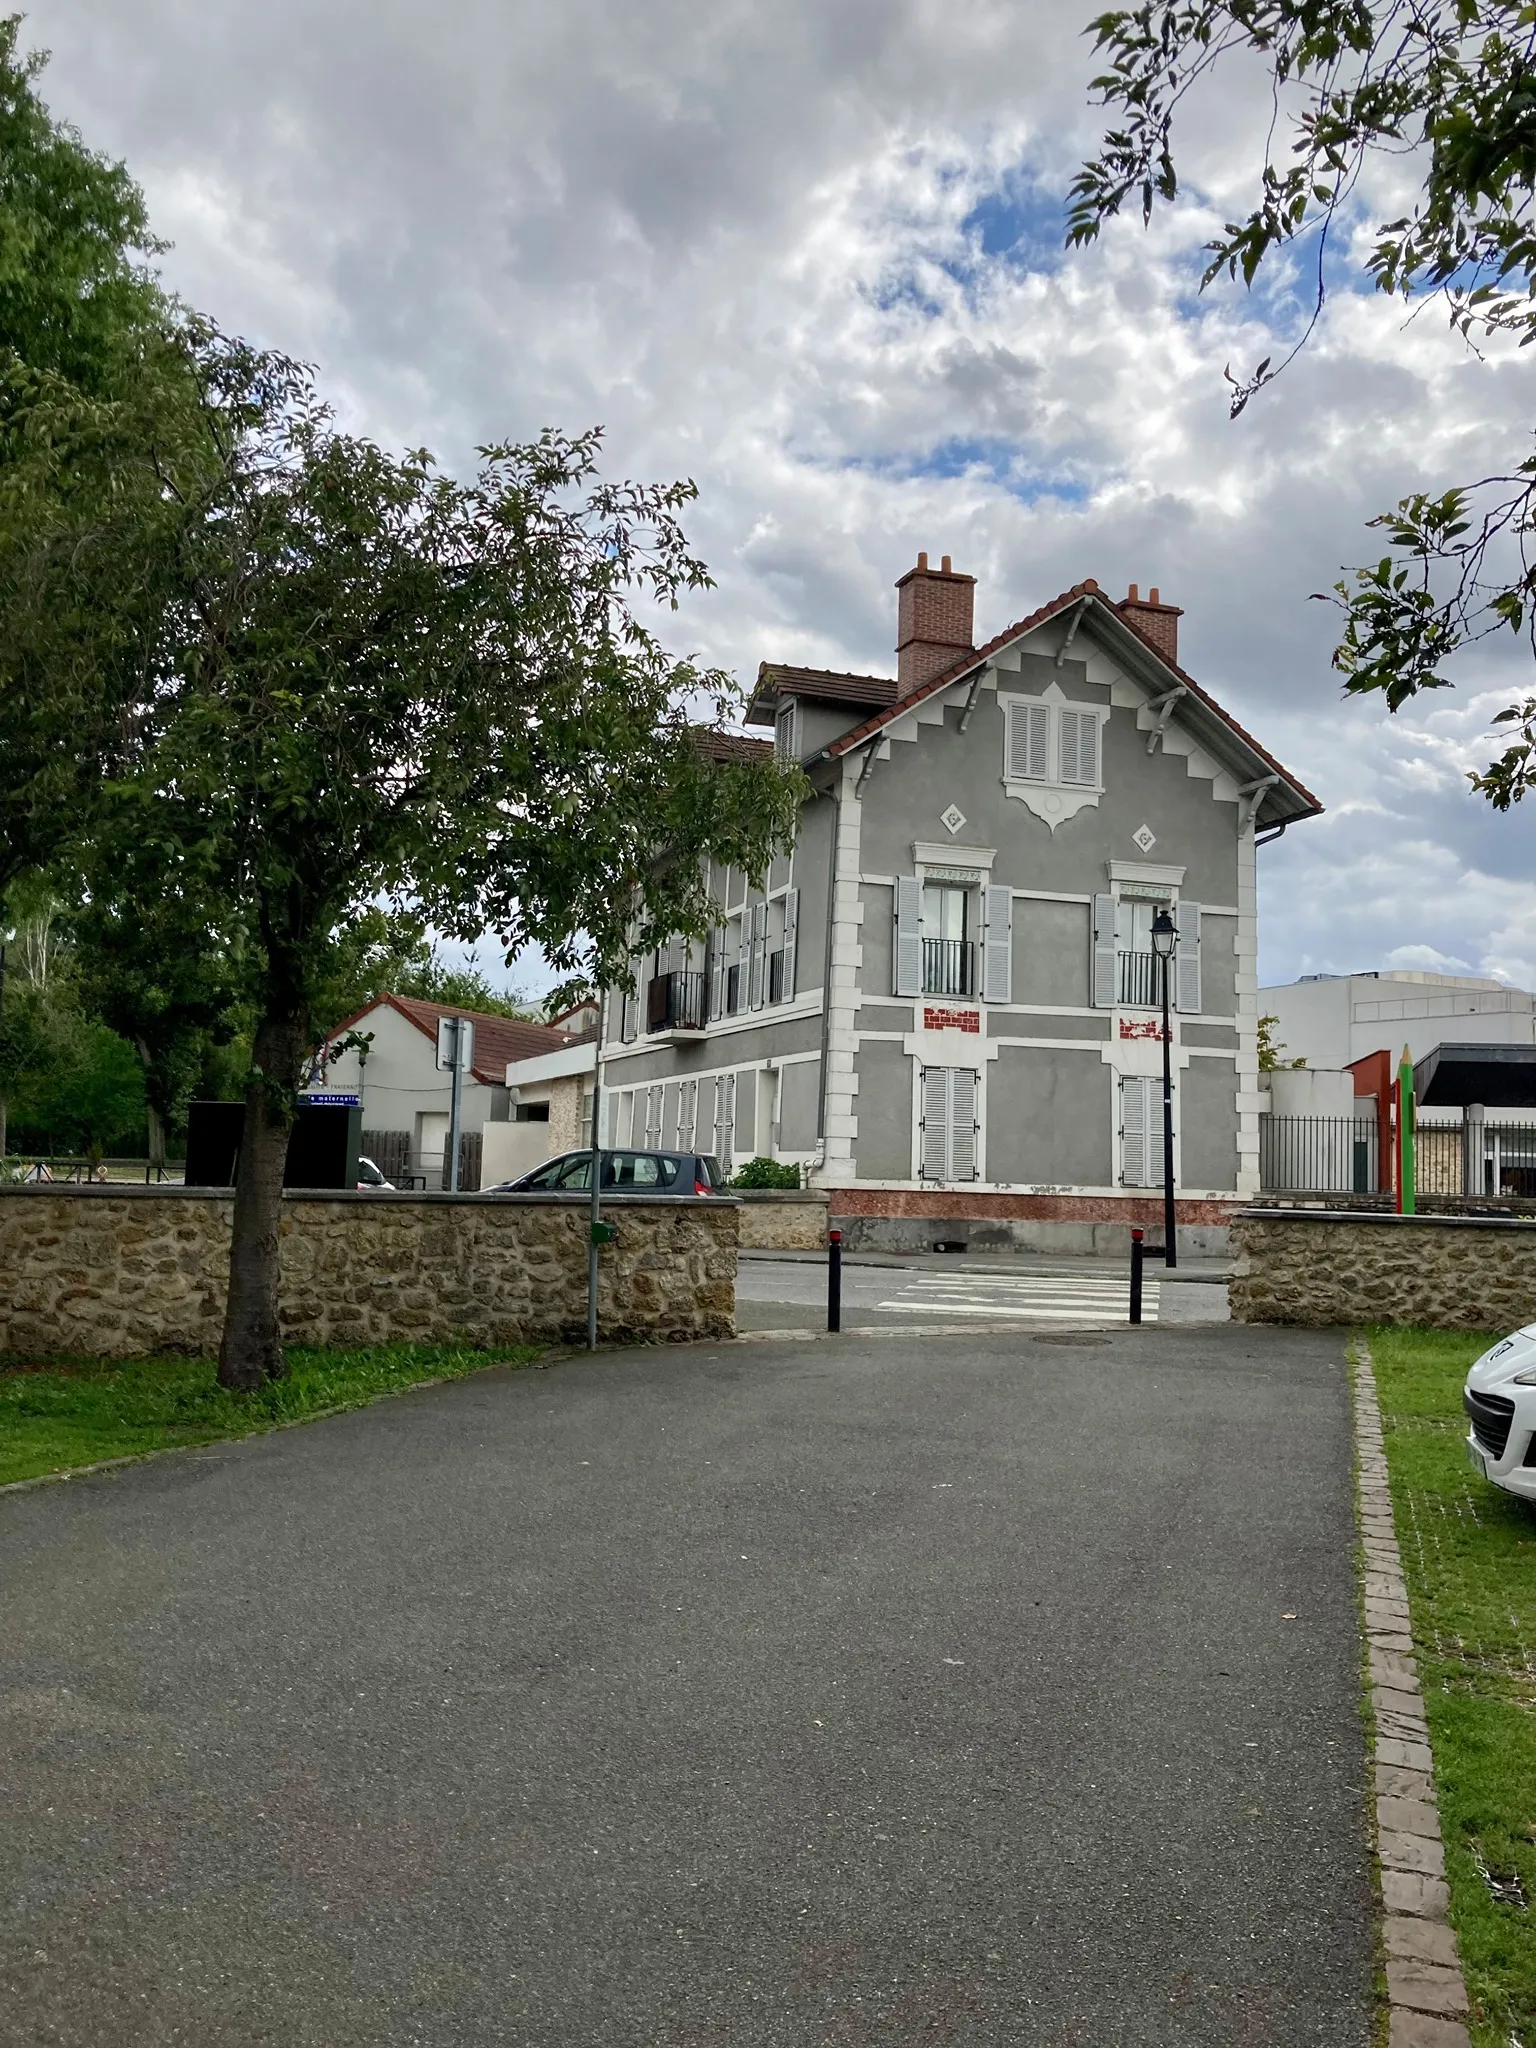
(115, 1272)
(1325, 1267)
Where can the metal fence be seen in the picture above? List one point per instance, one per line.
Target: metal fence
(1333, 1155)
(1341, 1155)
(949, 967)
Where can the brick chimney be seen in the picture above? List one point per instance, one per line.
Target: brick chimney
(933, 622)
(1158, 621)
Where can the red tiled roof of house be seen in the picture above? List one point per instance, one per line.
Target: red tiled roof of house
(833, 685)
(498, 1039)
(730, 746)
(1089, 590)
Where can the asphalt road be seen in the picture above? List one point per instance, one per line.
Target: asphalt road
(807, 1695)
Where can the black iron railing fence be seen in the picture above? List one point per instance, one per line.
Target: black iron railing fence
(949, 967)
(1318, 1155)
(1140, 980)
(675, 1002)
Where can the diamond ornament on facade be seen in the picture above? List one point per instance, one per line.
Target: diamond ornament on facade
(1145, 838)
(954, 818)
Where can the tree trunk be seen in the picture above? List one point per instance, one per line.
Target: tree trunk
(154, 1122)
(5, 1109)
(251, 1351)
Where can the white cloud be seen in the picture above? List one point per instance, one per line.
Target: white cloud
(762, 246)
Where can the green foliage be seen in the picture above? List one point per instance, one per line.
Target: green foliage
(766, 1173)
(1270, 1051)
(1469, 1555)
(77, 1412)
(95, 413)
(1448, 86)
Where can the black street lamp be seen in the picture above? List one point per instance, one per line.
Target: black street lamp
(1165, 936)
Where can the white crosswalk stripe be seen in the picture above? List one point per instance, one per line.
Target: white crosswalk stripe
(1080, 1299)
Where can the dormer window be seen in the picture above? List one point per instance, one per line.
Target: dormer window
(785, 738)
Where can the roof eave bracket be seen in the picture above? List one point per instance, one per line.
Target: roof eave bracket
(1071, 633)
(970, 702)
(1249, 798)
(1164, 706)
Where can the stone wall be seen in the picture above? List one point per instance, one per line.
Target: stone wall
(1323, 1267)
(118, 1271)
(783, 1219)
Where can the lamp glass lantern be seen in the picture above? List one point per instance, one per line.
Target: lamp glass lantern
(1165, 935)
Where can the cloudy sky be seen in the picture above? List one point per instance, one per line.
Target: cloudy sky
(810, 255)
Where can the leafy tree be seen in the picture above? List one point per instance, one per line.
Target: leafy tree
(1271, 1048)
(375, 681)
(1447, 84)
(93, 387)
(88, 1092)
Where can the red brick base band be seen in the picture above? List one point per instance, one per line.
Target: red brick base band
(1146, 1210)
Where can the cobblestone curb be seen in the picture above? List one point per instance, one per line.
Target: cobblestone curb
(1425, 1991)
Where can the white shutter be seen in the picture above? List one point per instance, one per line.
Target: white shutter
(1079, 747)
(725, 1118)
(935, 1146)
(652, 1119)
(1187, 959)
(791, 919)
(627, 1016)
(1029, 740)
(687, 1108)
(997, 953)
(1104, 966)
(962, 1124)
(756, 992)
(908, 977)
(1134, 1132)
(716, 972)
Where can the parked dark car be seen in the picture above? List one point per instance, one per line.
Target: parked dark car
(624, 1173)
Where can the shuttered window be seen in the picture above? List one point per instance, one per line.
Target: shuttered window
(1141, 1131)
(687, 1112)
(757, 993)
(1186, 959)
(791, 920)
(997, 948)
(1029, 742)
(948, 1150)
(908, 948)
(652, 1119)
(1104, 953)
(725, 1120)
(1079, 747)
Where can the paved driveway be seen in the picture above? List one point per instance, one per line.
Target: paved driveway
(896, 1692)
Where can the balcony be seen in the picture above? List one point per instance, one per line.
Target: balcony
(1139, 981)
(675, 1003)
(949, 967)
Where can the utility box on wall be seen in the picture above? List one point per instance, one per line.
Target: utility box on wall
(323, 1145)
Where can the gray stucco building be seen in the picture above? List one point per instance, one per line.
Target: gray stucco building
(944, 1002)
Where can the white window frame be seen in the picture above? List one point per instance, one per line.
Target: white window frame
(1051, 796)
(786, 730)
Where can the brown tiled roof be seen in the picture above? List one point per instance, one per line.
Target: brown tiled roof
(730, 746)
(1087, 589)
(498, 1039)
(777, 678)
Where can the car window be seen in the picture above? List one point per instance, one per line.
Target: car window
(546, 1176)
(631, 1170)
(711, 1172)
(666, 1170)
(577, 1172)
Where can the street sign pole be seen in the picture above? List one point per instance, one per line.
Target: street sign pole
(455, 1051)
(597, 1234)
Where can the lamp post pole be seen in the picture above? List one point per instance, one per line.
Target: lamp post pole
(1164, 939)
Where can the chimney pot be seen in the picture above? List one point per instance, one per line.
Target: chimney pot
(934, 621)
(1152, 596)
(1133, 596)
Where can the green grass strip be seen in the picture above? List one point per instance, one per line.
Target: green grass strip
(63, 1413)
(1469, 1557)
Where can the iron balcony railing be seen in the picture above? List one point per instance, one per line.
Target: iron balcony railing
(949, 967)
(1140, 980)
(675, 1002)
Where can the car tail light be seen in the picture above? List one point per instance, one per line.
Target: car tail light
(702, 1187)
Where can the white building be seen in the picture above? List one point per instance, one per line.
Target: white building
(1332, 1020)
(406, 1097)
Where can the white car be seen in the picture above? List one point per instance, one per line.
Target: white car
(1500, 1398)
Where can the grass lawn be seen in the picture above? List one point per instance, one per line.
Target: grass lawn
(61, 1413)
(1469, 1555)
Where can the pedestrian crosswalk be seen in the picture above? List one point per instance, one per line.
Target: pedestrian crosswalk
(1079, 1299)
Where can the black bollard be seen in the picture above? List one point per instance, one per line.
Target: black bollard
(1138, 1253)
(834, 1279)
